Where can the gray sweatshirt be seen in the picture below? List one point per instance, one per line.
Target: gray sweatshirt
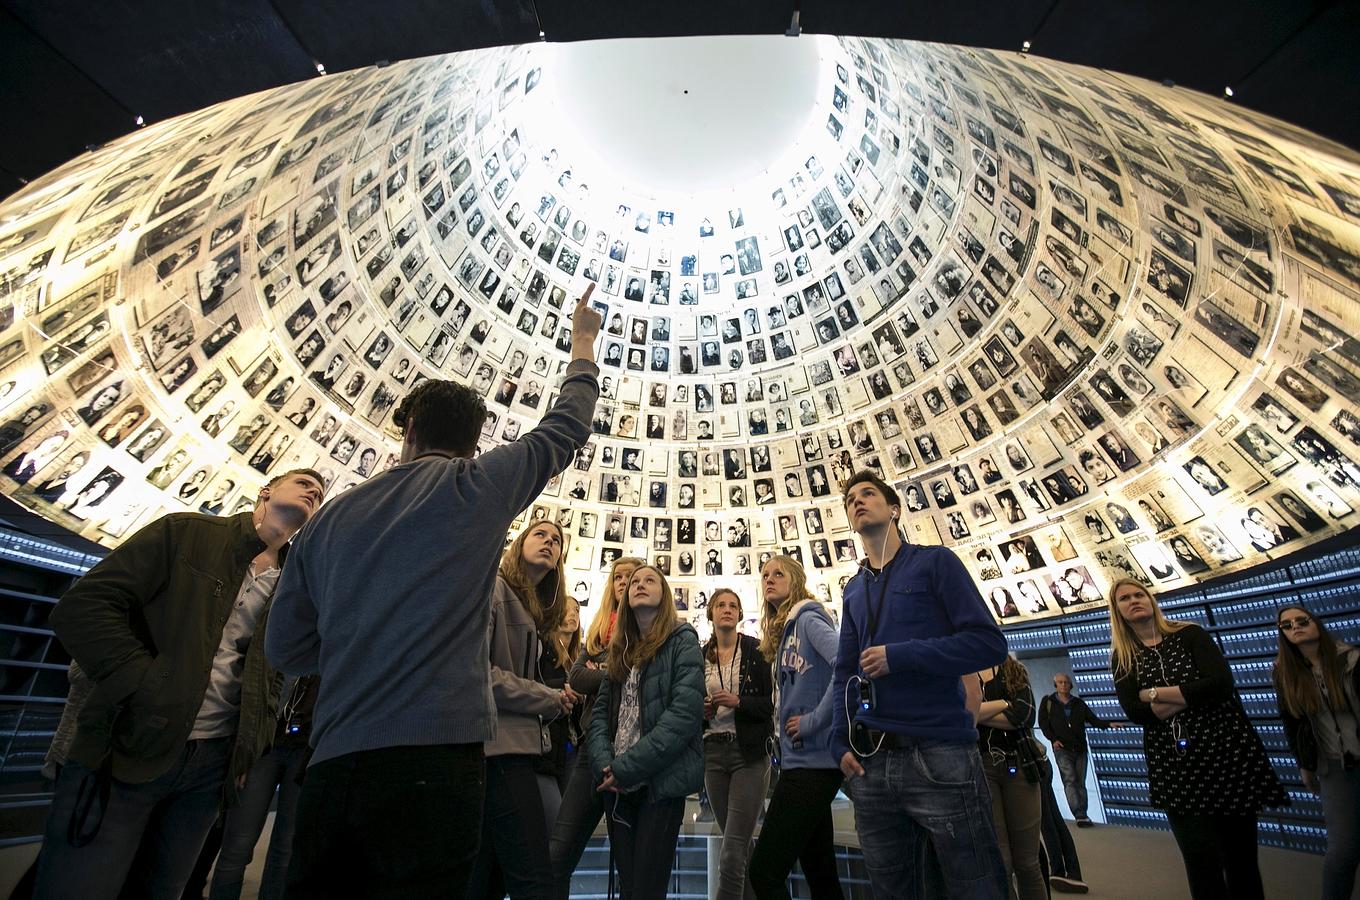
(387, 589)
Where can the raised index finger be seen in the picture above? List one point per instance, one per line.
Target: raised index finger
(585, 296)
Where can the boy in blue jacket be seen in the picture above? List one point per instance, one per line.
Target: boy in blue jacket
(913, 624)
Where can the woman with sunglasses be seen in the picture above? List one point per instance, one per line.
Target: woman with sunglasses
(645, 747)
(1206, 766)
(1317, 679)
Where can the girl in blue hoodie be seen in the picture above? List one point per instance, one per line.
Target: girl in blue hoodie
(800, 640)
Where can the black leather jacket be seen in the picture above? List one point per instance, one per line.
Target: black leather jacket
(145, 624)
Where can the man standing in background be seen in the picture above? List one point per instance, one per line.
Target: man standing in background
(1063, 718)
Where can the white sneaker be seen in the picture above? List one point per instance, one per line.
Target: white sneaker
(1064, 885)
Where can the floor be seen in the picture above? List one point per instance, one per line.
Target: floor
(1118, 863)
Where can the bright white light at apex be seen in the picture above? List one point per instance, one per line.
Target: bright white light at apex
(688, 122)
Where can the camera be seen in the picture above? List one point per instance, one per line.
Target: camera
(866, 695)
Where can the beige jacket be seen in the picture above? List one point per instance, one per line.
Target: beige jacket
(523, 703)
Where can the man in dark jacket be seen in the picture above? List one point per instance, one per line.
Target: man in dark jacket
(1063, 718)
(183, 702)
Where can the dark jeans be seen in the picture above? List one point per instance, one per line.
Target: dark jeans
(197, 884)
(514, 857)
(149, 836)
(1061, 850)
(1017, 813)
(1072, 769)
(643, 835)
(582, 807)
(798, 828)
(1341, 807)
(280, 768)
(924, 817)
(1220, 855)
(398, 822)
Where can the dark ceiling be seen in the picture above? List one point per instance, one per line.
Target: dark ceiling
(75, 73)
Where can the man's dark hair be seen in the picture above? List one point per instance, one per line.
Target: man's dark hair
(864, 475)
(449, 416)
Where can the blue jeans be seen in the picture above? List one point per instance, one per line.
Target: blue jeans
(280, 768)
(1341, 806)
(924, 819)
(1072, 770)
(149, 835)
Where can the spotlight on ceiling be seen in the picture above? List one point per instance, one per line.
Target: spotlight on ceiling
(139, 121)
(320, 69)
(1024, 48)
(1227, 92)
(794, 28)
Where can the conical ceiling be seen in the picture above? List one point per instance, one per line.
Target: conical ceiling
(1092, 327)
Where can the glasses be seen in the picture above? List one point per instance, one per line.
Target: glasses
(1287, 625)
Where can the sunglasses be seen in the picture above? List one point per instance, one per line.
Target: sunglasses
(1288, 625)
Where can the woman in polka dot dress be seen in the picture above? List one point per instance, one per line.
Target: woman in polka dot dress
(1206, 766)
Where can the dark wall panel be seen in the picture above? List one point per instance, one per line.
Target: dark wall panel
(164, 57)
(974, 23)
(51, 109)
(580, 20)
(349, 34)
(1314, 81)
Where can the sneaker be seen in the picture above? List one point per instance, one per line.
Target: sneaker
(1064, 885)
(1084, 822)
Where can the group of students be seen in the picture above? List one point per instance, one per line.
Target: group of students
(780, 698)
(456, 748)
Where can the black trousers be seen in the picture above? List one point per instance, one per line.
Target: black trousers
(643, 835)
(1059, 848)
(1220, 855)
(514, 858)
(400, 822)
(798, 828)
(581, 809)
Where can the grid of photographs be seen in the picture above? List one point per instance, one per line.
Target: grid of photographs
(1090, 327)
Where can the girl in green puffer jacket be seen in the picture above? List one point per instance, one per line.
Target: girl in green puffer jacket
(646, 733)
